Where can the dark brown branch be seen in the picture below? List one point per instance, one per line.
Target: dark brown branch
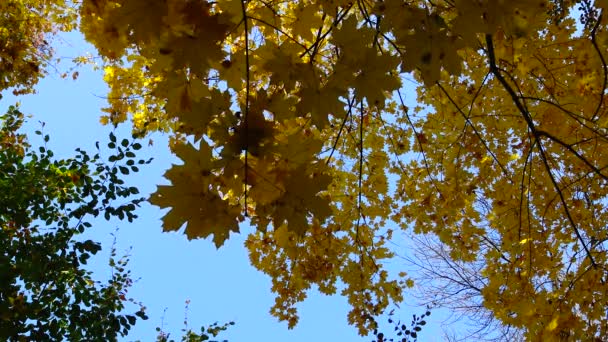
(528, 118)
(596, 170)
(417, 137)
(339, 18)
(604, 67)
(246, 109)
(346, 116)
(468, 121)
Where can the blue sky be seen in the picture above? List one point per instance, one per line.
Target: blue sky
(220, 284)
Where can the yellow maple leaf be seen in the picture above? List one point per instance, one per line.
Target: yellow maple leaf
(376, 82)
(206, 213)
(300, 201)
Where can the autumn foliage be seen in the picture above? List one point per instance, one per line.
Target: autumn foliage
(292, 116)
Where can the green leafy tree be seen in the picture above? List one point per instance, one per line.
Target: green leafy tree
(46, 292)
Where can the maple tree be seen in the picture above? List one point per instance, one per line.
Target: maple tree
(292, 115)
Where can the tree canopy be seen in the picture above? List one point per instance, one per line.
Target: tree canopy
(292, 115)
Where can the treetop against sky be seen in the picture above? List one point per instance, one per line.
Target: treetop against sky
(291, 115)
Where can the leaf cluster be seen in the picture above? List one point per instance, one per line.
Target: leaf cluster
(26, 30)
(205, 333)
(402, 333)
(46, 292)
